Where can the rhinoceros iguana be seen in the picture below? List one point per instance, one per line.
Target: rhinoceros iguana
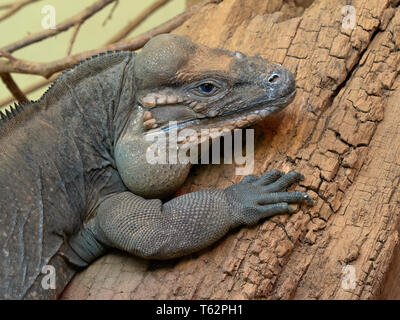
(74, 179)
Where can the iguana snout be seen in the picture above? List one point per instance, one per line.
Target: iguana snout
(201, 87)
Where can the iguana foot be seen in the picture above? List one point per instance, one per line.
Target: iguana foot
(255, 197)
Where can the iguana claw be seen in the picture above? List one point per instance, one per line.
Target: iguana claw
(259, 197)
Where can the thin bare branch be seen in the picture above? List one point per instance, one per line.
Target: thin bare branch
(7, 55)
(137, 21)
(30, 89)
(46, 69)
(14, 7)
(63, 26)
(6, 6)
(73, 37)
(109, 17)
(13, 87)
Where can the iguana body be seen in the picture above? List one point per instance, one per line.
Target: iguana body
(74, 178)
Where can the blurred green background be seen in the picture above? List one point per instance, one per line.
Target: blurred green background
(92, 34)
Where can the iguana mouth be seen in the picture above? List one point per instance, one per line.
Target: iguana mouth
(259, 110)
(260, 105)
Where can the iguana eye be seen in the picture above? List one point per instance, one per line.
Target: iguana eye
(207, 88)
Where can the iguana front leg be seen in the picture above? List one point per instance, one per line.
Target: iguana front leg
(193, 221)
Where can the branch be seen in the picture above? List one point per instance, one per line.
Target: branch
(109, 17)
(137, 21)
(6, 6)
(46, 69)
(63, 26)
(14, 7)
(13, 87)
(31, 88)
(73, 37)
(7, 55)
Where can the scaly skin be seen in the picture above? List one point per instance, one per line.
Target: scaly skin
(75, 180)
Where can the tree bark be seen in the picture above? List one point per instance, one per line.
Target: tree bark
(342, 132)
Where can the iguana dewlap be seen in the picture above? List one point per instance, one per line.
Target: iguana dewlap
(74, 179)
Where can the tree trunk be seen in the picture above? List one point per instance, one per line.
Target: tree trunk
(342, 132)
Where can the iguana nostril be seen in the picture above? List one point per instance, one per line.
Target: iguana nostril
(274, 78)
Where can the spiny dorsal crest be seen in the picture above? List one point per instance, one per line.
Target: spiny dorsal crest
(9, 114)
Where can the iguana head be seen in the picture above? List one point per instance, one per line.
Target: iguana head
(181, 85)
(201, 87)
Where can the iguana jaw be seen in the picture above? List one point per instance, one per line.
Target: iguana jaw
(255, 112)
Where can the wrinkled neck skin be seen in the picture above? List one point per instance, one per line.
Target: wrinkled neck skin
(105, 125)
(88, 105)
(149, 180)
